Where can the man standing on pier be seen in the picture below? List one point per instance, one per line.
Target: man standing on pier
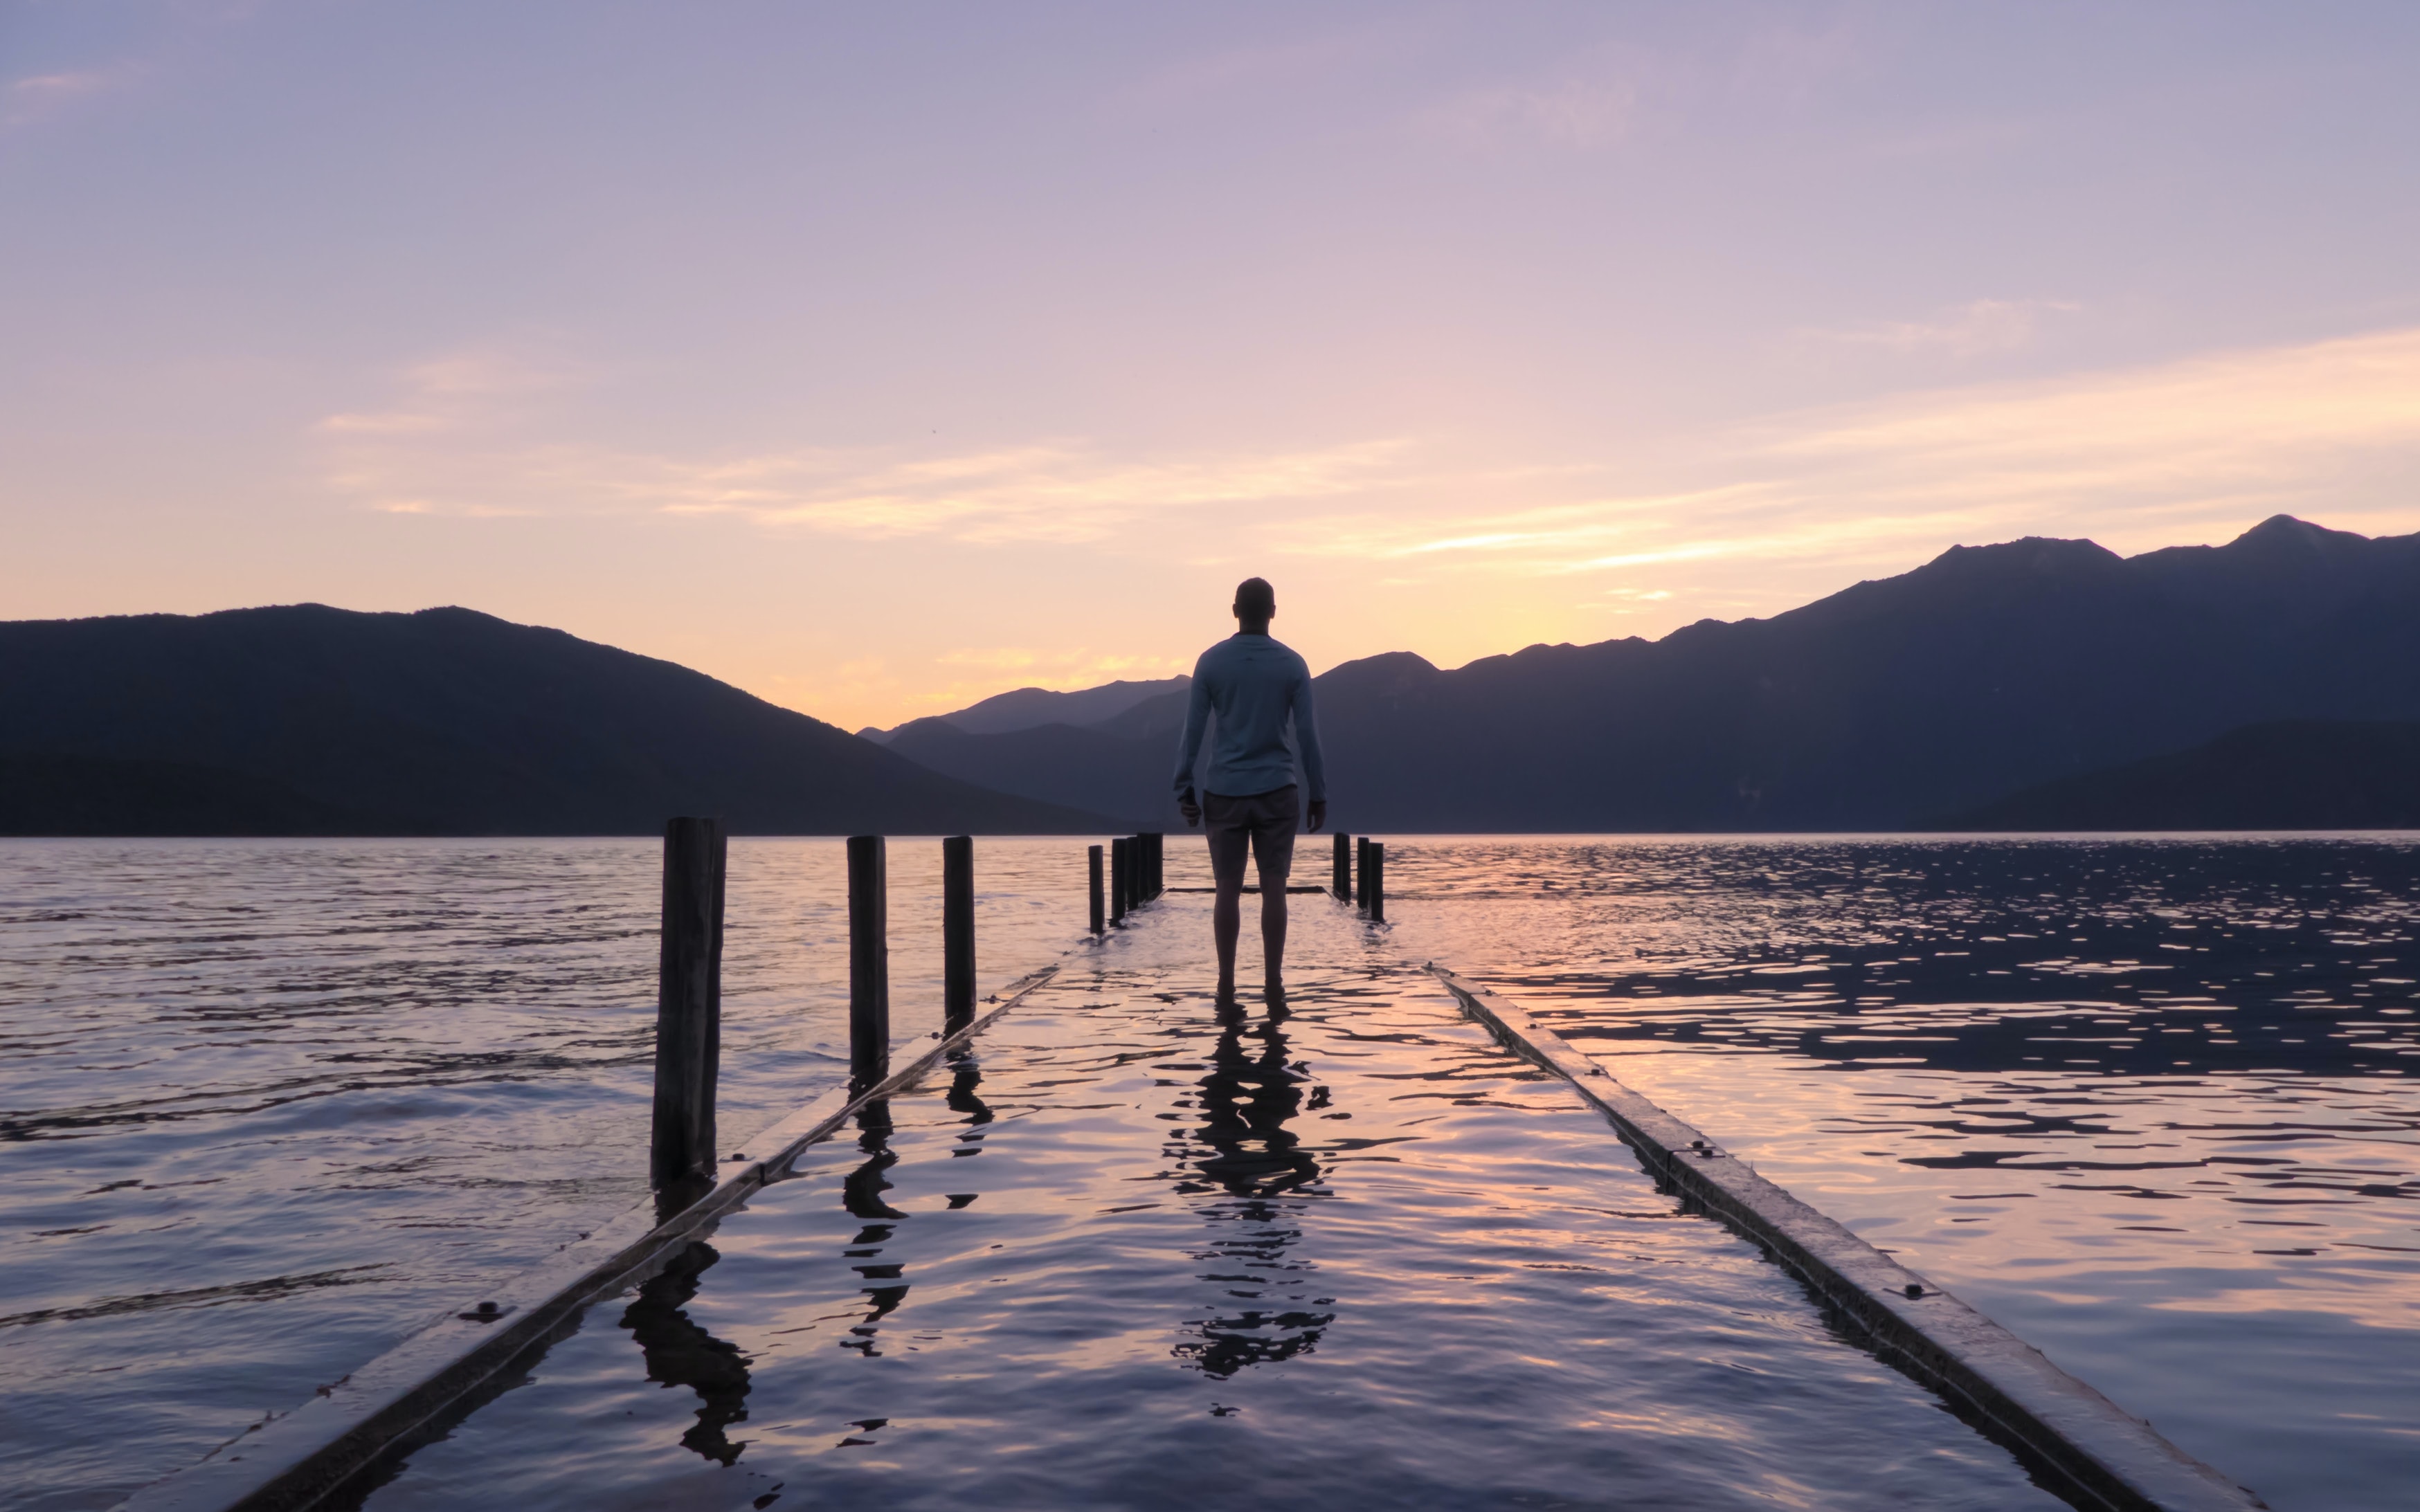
(1249, 798)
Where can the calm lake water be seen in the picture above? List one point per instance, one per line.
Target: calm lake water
(268, 1104)
(2150, 1104)
(2154, 1105)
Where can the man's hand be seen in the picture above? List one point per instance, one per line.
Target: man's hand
(1318, 814)
(1191, 809)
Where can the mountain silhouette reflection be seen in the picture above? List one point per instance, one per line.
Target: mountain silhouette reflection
(680, 1353)
(1246, 1150)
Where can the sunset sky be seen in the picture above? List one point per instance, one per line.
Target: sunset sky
(879, 358)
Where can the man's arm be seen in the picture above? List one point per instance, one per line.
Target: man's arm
(1315, 763)
(1189, 747)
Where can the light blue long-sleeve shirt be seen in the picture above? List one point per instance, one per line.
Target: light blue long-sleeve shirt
(1254, 684)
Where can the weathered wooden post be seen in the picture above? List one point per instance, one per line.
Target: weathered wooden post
(869, 961)
(1121, 861)
(1341, 883)
(1361, 873)
(1150, 865)
(689, 1009)
(1377, 882)
(958, 933)
(1093, 854)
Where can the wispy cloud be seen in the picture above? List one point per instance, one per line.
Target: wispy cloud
(458, 443)
(384, 422)
(1315, 60)
(2132, 457)
(1534, 538)
(2138, 456)
(1608, 92)
(1648, 543)
(1579, 113)
(479, 389)
(39, 97)
(1979, 327)
(1060, 492)
(2280, 423)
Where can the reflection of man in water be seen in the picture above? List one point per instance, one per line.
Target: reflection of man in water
(1265, 1310)
(1251, 800)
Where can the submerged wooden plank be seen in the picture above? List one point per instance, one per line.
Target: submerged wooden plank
(2097, 1454)
(299, 1459)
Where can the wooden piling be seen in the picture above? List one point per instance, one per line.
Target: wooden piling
(1093, 856)
(958, 933)
(1342, 884)
(1121, 862)
(1151, 858)
(1378, 906)
(869, 960)
(689, 1007)
(1361, 874)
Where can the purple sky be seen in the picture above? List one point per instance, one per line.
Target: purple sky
(881, 358)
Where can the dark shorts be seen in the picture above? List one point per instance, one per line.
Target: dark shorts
(1263, 822)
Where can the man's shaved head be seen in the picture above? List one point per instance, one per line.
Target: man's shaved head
(1255, 599)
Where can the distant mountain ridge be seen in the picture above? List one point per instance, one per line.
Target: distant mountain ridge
(1119, 761)
(1030, 708)
(1883, 706)
(2037, 672)
(1057, 763)
(305, 719)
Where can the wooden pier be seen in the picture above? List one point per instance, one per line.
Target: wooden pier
(1334, 1152)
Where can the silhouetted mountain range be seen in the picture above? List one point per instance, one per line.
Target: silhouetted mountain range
(1029, 708)
(315, 721)
(2293, 774)
(1988, 670)
(1979, 677)
(96, 796)
(1074, 766)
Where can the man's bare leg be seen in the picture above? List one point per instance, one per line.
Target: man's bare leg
(1226, 922)
(1273, 933)
(1228, 850)
(1273, 920)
